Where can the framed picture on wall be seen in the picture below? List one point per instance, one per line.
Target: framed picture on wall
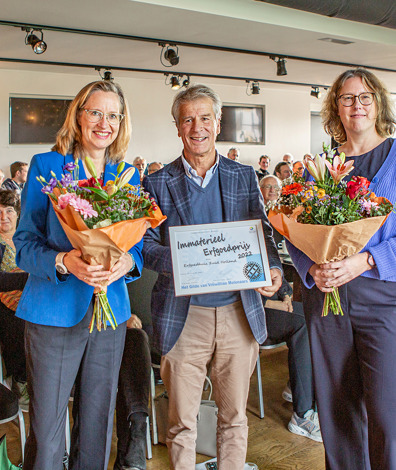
(242, 124)
(35, 119)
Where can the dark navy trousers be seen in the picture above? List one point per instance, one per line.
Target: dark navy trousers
(57, 358)
(354, 365)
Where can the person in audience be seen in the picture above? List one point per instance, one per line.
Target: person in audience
(133, 398)
(141, 164)
(202, 187)
(264, 165)
(353, 355)
(283, 170)
(286, 323)
(58, 300)
(154, 166)
(12, 281)
(233, 154)
(298, 167)
(19, 171)
(2, 176)
(288, 158)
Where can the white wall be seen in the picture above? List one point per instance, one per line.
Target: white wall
(154, 135)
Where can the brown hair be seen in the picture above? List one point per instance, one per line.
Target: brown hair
(385, 121)
(10, 198)
(16, 166)
(69, 137)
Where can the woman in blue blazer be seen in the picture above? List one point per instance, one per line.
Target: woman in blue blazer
(57, 301)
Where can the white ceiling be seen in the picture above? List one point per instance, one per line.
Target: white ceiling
(242, 24)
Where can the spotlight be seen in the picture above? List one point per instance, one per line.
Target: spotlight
(170, 54)
(38, 45)
(253, 89)
(280, 65)
(315, 92)
(174, 82)
(107, 76)
(186, 82)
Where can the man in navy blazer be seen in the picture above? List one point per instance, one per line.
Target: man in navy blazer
(225, 328)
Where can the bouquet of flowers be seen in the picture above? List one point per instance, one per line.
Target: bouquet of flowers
(102, 221)
(327, 218)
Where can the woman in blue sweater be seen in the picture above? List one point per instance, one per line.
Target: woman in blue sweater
(354, 355)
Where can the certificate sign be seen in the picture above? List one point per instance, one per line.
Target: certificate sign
(219, 257)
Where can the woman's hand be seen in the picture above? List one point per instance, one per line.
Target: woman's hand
(123, 266)
(338, 273)
(134, 322)
(91, 275)
(276, 278)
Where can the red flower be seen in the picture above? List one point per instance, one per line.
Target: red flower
(91, 183)
(294, 188)
(358, 186)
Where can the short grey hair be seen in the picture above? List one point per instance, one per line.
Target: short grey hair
(195, 92)
(233, 148)
(267, 177)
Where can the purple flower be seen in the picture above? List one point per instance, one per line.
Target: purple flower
(69, 167)
(67, 181)
(47, 189)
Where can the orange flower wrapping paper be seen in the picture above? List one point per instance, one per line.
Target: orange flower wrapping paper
(104, 245)
(326, 243)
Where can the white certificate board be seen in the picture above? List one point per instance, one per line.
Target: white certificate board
(219, 257)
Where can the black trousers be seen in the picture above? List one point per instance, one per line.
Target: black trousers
(291, 328)
(12, 331)
(354, 364)
(133, 383)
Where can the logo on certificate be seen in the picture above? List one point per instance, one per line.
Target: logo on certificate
(252, 271)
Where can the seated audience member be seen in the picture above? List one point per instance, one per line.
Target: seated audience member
(153, 167)
(264, 165)
(133, 398)
(19, 171)
(288, 157)
(233, 154)
(141, 164)
(298, 167)
(2, 176)
(12, 281)
(286, 323)
(283, 170)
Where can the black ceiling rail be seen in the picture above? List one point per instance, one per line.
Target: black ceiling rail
(188, 44)
(157, 71)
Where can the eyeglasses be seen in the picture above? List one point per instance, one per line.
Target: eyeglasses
(94, 115)
(348, 100)
(270, 186)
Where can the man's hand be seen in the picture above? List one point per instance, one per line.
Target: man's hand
(276, 278)
(134, 322)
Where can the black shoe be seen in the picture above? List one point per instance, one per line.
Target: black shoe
(135, 456)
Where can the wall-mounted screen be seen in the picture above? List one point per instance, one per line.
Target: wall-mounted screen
(242, 124)
(36, 120)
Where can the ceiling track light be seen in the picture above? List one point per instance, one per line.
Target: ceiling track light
(186, 82)
(170, 53)
(253, 89)
(315, 92)
(107, 75)
(280, 65)
(38, 44)
(174, 81)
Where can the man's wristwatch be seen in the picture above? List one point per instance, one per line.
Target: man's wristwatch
(370, 261)
(59, 266)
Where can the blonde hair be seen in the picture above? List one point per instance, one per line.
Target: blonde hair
(69, 137)
(385, 120)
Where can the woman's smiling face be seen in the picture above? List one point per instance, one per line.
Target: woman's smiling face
(97, 136)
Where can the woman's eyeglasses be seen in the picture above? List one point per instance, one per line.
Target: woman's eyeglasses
(94, 115)
(348, 99)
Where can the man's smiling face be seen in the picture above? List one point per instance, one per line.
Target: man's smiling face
(198, 128)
